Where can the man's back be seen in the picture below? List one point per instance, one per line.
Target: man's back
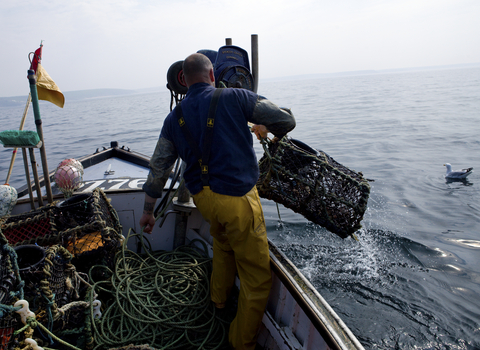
(233, 167)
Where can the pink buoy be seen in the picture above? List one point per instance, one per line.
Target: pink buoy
(68, 178)
(74, 162)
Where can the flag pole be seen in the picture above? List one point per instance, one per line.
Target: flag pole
(38, 123)
(22, 123)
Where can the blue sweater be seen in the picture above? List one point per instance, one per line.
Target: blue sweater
(233, 167)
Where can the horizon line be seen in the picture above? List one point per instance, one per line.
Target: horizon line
(297, 76)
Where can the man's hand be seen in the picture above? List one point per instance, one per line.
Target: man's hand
(147, 219)
(260, 130)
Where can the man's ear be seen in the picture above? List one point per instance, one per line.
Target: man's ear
(211, 76)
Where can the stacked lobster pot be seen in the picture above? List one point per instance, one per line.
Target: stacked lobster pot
(46, 258)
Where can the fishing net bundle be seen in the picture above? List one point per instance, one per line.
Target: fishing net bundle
(313, 184)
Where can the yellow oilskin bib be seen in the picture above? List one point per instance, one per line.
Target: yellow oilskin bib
(240, 245)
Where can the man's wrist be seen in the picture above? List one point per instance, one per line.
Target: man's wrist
(148, 208)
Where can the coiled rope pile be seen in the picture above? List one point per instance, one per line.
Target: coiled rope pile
(161, 299)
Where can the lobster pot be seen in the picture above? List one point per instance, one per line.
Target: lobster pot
(313, 184)
(30, 226)
(86, 225)
(9, 323)
(46, 272)
(10, 291)
(54, 291)
(57, 293)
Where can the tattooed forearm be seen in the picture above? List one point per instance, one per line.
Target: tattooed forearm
(148, 207)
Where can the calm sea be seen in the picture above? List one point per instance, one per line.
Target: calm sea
(413, 279)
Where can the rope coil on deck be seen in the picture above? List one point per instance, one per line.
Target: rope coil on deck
(161, 299)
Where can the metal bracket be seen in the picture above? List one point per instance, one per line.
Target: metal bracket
(183, 207)
(166, 214)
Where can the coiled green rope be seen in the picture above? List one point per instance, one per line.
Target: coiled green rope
(161, 299)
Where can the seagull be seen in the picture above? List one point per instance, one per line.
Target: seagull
(459, 174)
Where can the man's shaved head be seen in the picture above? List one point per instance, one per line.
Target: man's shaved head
(197, 68)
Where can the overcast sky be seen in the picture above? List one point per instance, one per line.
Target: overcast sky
(130, 44)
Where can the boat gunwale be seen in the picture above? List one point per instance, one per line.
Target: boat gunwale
(311, 302)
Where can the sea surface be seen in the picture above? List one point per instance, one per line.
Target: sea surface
(412, 281)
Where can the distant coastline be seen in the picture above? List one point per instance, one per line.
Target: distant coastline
(79, 95)
(101, 93)
(372, 72)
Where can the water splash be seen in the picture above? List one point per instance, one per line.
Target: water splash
(381, 286)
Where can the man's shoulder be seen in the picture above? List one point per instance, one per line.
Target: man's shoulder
(170, 116)
(169, 120)
(241, 94)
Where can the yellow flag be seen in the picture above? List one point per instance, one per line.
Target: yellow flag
(47, 89)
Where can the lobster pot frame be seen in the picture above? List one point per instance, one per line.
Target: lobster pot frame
(58, 298)
(50, 279)
(9, 323)
(11, 290)
(313, 184)
(54, 290)
(86, 225)
(30, 226)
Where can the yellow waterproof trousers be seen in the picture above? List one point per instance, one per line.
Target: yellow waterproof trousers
(240, 245)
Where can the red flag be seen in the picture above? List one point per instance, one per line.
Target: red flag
(37, 58)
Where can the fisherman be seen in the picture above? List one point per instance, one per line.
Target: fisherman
(221, 174)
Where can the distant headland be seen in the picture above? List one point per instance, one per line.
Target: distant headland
(101, 93)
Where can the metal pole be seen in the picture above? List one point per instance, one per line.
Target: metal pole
(228, 41)
(27, 174)
(35, 177)
(255, 61)
(183, 194)
(183, 206)
(38, 123)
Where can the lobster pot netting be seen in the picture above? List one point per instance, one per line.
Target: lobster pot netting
(313, 184)
(86, 225)
(29, 226)
(55, 292)
(10, 291)
(48, 275)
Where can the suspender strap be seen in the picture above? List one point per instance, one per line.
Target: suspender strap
(207, 144)
(204, 156)
(187, 134)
